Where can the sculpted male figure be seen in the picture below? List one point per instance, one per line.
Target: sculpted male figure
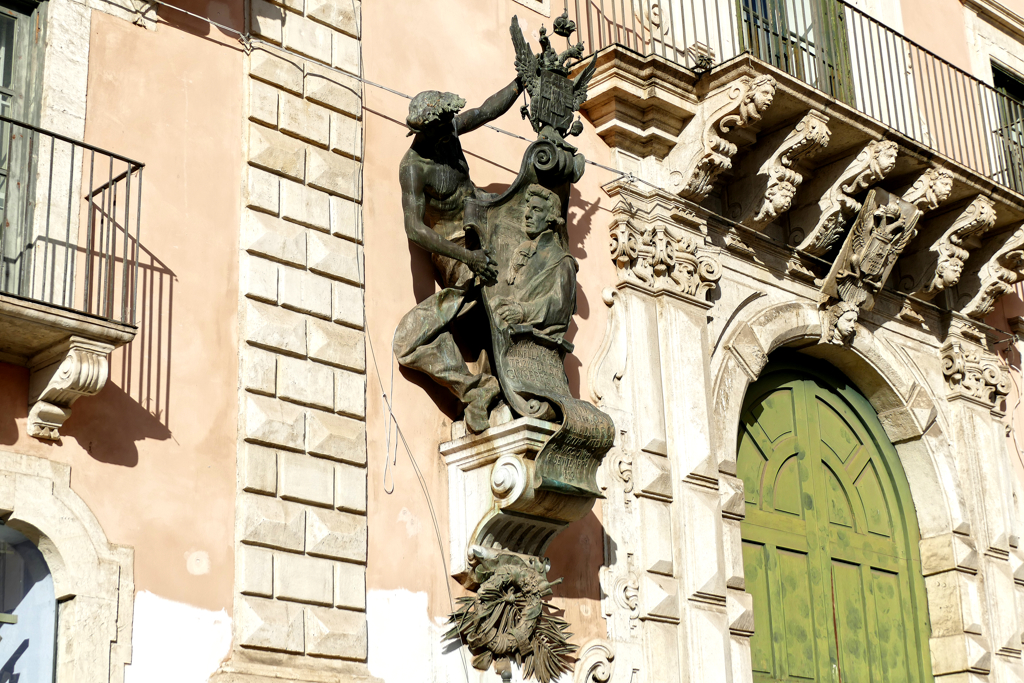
(435, 182)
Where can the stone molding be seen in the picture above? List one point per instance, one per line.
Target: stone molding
(92, 578)
(595, 662)
(60, 376)
(871, 164)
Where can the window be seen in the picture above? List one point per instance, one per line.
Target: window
(830, 538)
(805, 38)
(28, 612)
(1010, 133)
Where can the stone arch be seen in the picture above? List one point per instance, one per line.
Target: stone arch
(905, 405)
(93, 579)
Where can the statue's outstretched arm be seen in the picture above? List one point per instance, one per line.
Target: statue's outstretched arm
(493, 107)
(414, 203)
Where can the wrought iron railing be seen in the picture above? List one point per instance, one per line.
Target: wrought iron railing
(839, 50)
(70, 219)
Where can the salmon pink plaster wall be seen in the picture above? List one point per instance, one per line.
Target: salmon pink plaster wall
(462, 46)
(938, 26)
(153, 455)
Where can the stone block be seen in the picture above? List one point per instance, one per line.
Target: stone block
(336, 633)
(293, 5)
(336, 535)
(334, 90)
(340, 16)
(263, 103)
(350, 393)
(305, 292)
(259, 279)
(336, 437)
(269, 625)
(305, 120)
(303, 579)
(306, 206)
(307, 479)
(301, 381)
(259, 469)
(308, 38)
(271, 523)
(281, 71)
(255, 571)
(346, 53)
(334, 257)
(333, 173)
(350, 488)
(276, 152)
(274, 238)
(267, 20)
(272, 422)
(346, 219)
(264, 191)
(259, 371)
(347, 306)
(349, 586)
(336, 345)
(275, 328)
(346, 136)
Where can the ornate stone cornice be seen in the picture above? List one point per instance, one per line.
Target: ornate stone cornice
(949, 252)
(748, 98)
(872, 164)
(60, 376)
(997, 275)
(810, 136)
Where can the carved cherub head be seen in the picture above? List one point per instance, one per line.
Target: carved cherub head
(544, 211)
(885, 158)
(840, 323)
(432, 109)
(762, 93)
(948, 272)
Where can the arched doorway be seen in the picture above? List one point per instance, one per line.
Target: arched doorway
(830, 538)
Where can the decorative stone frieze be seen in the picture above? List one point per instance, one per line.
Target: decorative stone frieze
(746, 101)
(974, 374)
(782, 170)
(872, 164)
(948, 254)
(60, 376)
(1000, 271)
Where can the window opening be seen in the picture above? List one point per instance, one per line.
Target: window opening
(28, 612)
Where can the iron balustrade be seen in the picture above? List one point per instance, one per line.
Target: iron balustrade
(70, 222)
(838, 49)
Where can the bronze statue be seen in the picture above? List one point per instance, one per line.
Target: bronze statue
(435, 183)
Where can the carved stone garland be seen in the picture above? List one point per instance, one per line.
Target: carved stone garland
(749, 98)
(872, 164)
(809, 137)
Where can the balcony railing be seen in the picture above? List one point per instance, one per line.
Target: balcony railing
(837, 49)
(70, 218)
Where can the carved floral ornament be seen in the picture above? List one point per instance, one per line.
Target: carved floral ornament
(663, 257)
(974, 374)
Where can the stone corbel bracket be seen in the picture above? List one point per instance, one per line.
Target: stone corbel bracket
(745, 101)
(493, 499)
(947, 255)
(1001, 266)
(60, 376)
(782, 172)
(872, 164)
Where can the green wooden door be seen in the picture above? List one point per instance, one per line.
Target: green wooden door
(830, 540)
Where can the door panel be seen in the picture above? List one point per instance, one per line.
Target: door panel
(830, 536)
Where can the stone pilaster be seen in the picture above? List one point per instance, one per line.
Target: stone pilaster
(301, 532)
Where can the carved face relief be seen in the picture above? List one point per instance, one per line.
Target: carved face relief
(763, 94)
(846, 325)
(949, 272)
(886, 159)
(537, 216)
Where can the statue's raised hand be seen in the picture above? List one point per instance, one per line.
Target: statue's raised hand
(481, 263)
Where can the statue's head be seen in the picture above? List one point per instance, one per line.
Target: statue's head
(543, 210)
(842, 322)
(433, 110)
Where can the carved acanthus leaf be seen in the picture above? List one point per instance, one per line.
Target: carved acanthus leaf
(950, 252)
(998, 276)
(931, 189)
(975, 374)
(810, 136)
(661, 257)
(748, 100)
(872, 164)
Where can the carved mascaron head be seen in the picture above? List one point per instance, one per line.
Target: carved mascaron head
(885, 158)
(840, 323)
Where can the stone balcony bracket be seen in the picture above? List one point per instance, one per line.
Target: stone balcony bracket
(493, 500)
(66, 353)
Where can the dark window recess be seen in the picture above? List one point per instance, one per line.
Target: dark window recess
(1009, 135)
